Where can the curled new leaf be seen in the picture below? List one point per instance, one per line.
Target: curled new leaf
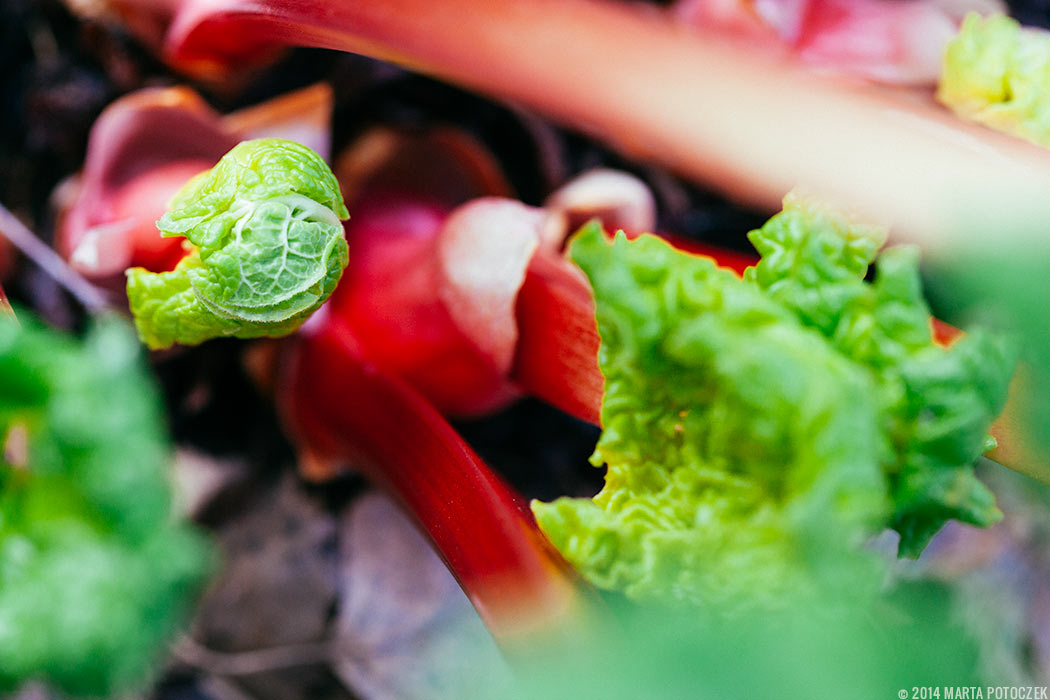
(269, 248)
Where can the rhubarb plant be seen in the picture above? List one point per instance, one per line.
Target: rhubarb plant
(342, 389)
(96, 571)
(757, 430)
(266, 227)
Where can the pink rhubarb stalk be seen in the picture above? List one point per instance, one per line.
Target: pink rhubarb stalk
(748, 125)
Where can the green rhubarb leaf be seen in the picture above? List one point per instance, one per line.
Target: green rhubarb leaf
(741, 448)
(757, 430)
(95, 570)
(269, 249)
(997, 72)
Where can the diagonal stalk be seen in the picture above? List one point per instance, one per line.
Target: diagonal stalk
(342, 408)
(744, 123)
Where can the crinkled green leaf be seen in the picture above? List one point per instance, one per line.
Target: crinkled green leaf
(95, 571)
(998, 73)
(757, 429)
(742, 449)
(269, 248)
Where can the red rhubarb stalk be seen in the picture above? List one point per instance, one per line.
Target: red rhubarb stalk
(345, 409)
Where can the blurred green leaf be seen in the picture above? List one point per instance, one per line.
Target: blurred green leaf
(95, 569)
